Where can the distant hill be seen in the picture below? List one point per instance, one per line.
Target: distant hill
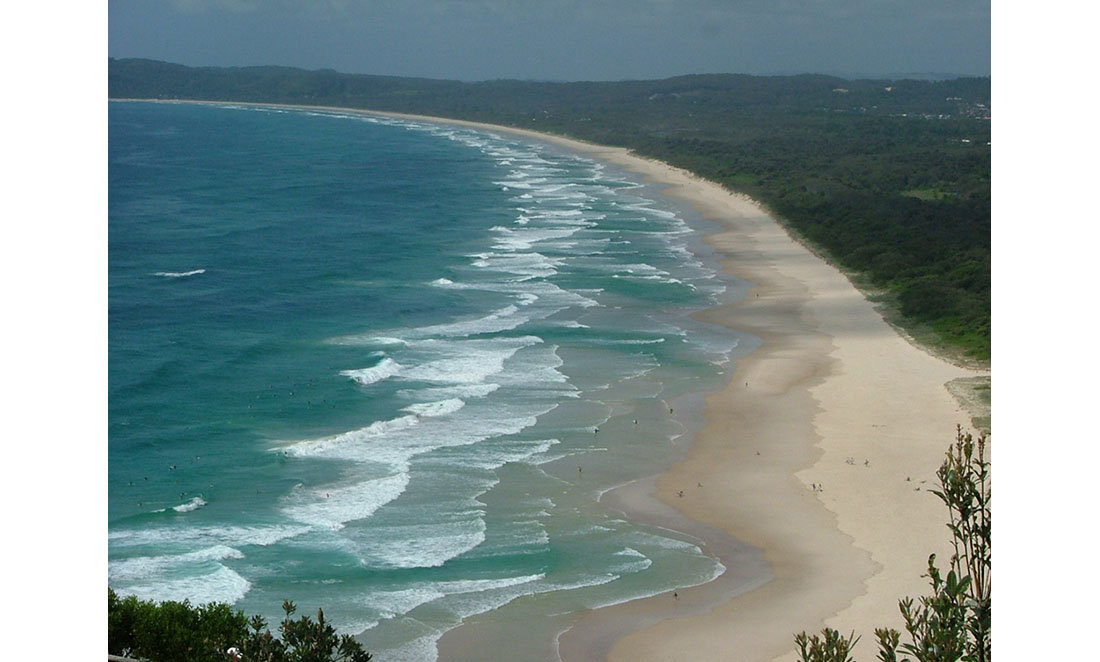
(888, 178)
(152, 79)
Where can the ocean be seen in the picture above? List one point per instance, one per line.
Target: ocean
(388, 367)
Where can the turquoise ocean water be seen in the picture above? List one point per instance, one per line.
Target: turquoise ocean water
(387, 368)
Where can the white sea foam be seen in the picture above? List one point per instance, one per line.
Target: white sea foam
(537, 371)
(204, 578)
(385, 368)
(495, 456)
(549, 297)
(424, 544)
(462, 598)
(517, 536)
(193, 504)
(179, 274)
(501, 319)
(385, 340)
(368, 340)
(142, 566)
(441, 408)
(422, 649)
(634, 561)
(525, 265)
(394, 441)
(481, 585)
(389, 604)
(623, 341)
(471, 361)
(219, 585)
(522, 239)
(333, 506)
(205, 535)
(461, 391)
(338, 446)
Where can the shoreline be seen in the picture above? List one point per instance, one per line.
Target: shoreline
(842, 400)
(833, 397)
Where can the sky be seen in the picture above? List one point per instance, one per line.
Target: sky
(562, 39)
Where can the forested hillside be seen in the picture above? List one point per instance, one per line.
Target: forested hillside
(889, 179)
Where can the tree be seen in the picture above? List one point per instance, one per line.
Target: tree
(307, 641)
(178, 632)
(954, 622)
(171, 631)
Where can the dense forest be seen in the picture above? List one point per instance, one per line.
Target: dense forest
(888, 179)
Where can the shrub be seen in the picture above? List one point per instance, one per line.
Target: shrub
(954, 622)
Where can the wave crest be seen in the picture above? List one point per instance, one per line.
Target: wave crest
(179, 274)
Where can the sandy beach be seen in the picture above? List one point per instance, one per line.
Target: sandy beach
(819, 452)
(818, 456)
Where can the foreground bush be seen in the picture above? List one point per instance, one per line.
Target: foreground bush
(179, 632)
(954, 622)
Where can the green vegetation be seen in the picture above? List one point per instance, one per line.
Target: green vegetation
(178, 632)
(954, 622)
(888, 179)
(926, 193)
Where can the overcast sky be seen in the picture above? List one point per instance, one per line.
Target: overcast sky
(561, 39)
